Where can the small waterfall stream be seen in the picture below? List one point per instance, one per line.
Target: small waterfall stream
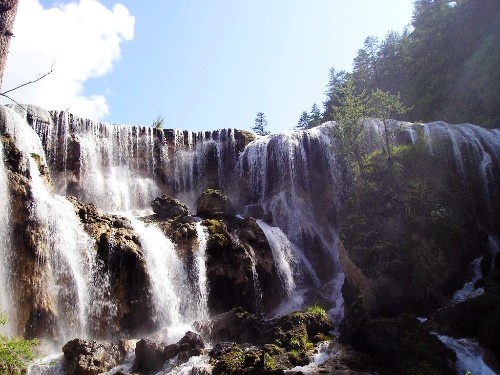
(284, 257)
(201, 283)
(469, 290)
(6, 300)
(469, 356)
(168, 277)
(256, 283)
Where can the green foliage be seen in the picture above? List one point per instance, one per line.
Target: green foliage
(260, 124)
(159, 122)
(303, 122)
(350, 130)
(446, 68)
(15, 352)
(316, 310)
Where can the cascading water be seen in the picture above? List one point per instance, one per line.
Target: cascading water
(201, 283)
(295, 176)
(469, 290)
(289, 175)
(284, 257)
(469, 356)
(65, 252)
(167, 275)
(6, 301)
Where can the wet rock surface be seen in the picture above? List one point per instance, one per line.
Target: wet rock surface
(166, 207)
(119, 248)
(151, 357)
(92, 358)
(212, 204)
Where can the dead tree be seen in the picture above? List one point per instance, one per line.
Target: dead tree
(8, 10)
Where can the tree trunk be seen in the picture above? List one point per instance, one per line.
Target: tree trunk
(8, 9)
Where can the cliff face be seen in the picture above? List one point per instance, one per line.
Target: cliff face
(408, 233)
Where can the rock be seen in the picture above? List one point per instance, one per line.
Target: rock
(166, 207)
(119, 249)
(400, 345)
(236, 325)
(190, 345)
(213, 204)
(227, 358)
(91, 357)
(149, 357)
(257, 212)
(232, 246)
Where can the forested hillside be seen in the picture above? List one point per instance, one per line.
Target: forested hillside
(444, 65)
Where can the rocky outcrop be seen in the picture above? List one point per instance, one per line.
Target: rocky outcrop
(92, 358)
(233, 245)
(280, 343)
(166, 207)
(401, 345)
(119, 249)
(151, 357)
(212, 204)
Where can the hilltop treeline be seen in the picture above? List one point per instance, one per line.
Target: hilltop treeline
(444, 66)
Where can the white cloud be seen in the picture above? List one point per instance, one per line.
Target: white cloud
(82, 40)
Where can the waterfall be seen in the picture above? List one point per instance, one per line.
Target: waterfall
(255, 277)
(469, 356)
(6, 300)
(65, 252)
(475, 152)
(200, 258)
(469, 290)
(284, 256)
(167, 275)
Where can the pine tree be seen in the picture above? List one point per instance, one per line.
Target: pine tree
(260, 124)
(315, 117)
(303, 121)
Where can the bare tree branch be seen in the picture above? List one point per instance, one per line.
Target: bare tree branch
(28, 83)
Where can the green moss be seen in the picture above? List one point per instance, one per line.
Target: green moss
(230, 362)
(215, 226)
(218, 236)
(253, 359)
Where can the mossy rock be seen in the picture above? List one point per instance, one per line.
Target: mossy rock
(213, 204)
(218, 233)
(227, 358)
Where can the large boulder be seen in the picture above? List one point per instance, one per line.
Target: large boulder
(213, 204)
(167, 207)
(92, 358)
(151, 357)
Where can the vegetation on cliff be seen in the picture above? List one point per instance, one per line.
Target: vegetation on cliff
(15, 352)
(444, 66)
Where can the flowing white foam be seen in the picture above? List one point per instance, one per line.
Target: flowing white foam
(469, 356)
(469, 290)
(200, 259)
(284, 256)
(6, 300)
(166, 272)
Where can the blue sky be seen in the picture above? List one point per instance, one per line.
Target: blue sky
(210, 64)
